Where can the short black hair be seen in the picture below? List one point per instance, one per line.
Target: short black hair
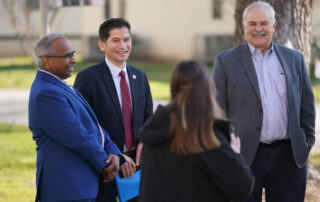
(107, 25)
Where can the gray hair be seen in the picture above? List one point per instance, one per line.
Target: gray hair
(256, 5)
(43, 47)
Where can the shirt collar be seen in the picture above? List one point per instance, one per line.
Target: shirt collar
(115, 71)
(254, 50)
(41, 70)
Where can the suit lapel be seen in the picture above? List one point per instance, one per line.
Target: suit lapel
(245, 59)
(132, 80)
(109, 84)
(286, 65)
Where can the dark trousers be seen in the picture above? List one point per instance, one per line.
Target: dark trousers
(275, 170)
(107, 191)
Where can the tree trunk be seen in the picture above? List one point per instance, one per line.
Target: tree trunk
(294, 24)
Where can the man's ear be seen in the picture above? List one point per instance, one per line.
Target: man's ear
(102, 45)
(45, 61)
(275, 25)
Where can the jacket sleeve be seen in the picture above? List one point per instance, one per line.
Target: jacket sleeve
(111, 148)
(228, 171)
(148, 102)
(220, 81)
(307, 107)
(82, 85)
(155, 129)
(62, 125)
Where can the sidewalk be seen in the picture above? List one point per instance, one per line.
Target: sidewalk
(14, 109)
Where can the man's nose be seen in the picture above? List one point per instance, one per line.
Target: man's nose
(122, 44)
(258, 28)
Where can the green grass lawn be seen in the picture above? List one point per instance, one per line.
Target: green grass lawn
(20, 72)
(18, 163)
(315, 160)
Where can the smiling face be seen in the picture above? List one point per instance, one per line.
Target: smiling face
(61, 67)
(259, 27)
(117, 47)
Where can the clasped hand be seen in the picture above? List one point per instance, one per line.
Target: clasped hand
(111, 171)
(235, 143)
(129, 167)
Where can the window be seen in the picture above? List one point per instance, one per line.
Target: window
(217, 9)
(78, 2)
(32, 4)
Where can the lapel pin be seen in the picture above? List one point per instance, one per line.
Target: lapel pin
(134, 76)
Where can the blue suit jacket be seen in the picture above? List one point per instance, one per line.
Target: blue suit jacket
(97, 86)
(238, 94)
(70, 155)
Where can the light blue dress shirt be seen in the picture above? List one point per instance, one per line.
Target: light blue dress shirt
(273, 92)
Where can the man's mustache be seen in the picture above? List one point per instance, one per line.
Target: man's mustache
(258, 33)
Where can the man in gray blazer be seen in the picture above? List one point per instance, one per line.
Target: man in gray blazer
(265, 90)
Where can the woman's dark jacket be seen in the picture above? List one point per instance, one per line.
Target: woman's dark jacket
(214, 175)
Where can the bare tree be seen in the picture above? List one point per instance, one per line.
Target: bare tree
(18, 15)
(294, 23)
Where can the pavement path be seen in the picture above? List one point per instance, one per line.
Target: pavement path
(14, 109)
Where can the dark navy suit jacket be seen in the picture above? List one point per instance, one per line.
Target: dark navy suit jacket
(70, 155)
(97, 86)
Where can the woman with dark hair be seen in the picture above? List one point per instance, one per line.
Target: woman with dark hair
(187, 155)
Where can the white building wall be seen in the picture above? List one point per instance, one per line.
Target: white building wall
(171, 27)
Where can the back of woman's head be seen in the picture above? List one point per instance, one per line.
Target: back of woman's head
(193, 109)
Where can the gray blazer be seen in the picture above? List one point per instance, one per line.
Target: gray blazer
(238, 95)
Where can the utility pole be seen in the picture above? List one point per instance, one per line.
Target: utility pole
(44, 11)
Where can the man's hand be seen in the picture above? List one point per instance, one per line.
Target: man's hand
(138, 154)
(235, 143)
(129, 167)
(111, 171)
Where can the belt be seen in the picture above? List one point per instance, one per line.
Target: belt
(274, 143)
(131, 154)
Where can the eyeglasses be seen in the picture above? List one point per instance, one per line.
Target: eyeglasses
(66, 56)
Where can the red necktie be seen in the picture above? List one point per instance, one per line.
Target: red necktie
(126, 110)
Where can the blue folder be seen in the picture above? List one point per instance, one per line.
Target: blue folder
(128, 188)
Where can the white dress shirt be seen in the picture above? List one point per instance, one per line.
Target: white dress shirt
(115, 72)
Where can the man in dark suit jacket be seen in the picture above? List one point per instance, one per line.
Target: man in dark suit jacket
(265, 90)
(72, 148)
(105, 89)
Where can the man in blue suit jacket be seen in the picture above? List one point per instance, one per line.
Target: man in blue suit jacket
(72, 148)
(101, 86)
(265, 90)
